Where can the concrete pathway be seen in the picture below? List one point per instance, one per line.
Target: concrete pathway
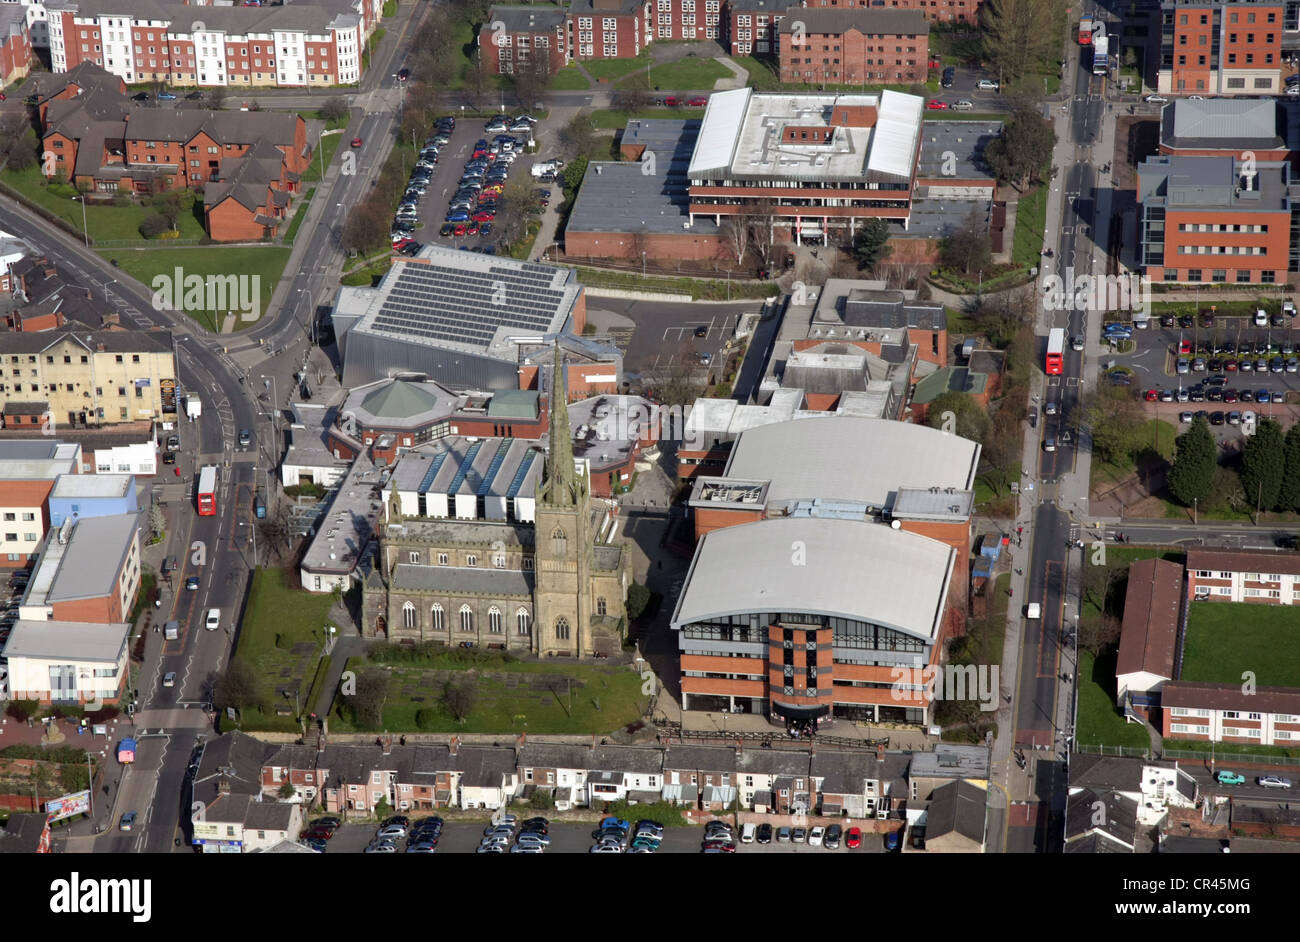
(739, 79)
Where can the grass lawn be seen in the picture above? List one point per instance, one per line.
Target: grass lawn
(329, 144)
(1120, 558)
(687, 74)
(569, 79)
(697, 288)
(106, 223)
(298, 215)
(512, 695)
(265, 261)
(610, 119)
(1159, 435)
(1031, 223)
(762, 77)
(611, 70)
(1225, 640)
(1099, 722)
(278, 609)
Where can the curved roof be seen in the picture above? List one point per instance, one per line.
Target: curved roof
(399, 400)
(843, 568)
(851, 458)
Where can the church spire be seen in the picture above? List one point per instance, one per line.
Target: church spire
(561, 482)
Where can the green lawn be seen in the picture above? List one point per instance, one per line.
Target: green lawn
(611, 70)
(512, 695)
(687, 74)
(1119, 559)
(762, 77)
(265, 261)
(697, 288)
(1227, 640)
(1159, 436)
(329, 144)
(1099, 721)
(1031, 223)
(569, 79)
(610, 119)
(298, 215)
(276, 608)
(106, 223)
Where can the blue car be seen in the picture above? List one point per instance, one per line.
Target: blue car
(458, 216)
(166, 96)
(615, 823)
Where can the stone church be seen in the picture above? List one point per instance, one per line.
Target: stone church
(546, 581)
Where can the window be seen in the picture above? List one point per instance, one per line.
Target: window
(523, 622)
(442, 559)
(466, 618)
(601, 607)
(562, 629)
(494, 620)
(435, 616)
(408, 615)
(414, 557)
(471, 559)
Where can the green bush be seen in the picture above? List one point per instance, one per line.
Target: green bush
(23, 710)
(660, 812)
(542, 801)
(155, 224)
(638, 597)
(426, 718)
(63, 190)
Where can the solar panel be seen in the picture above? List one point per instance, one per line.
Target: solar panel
(490, 474)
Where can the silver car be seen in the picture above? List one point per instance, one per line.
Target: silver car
(1273, 781)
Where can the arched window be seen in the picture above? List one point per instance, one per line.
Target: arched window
(562, 629)
(523, 622)
(601, 608)
(408, 615)
(559, 542)
(466, 618)
(471, 559)
(435, 615)
(494, 620)
(557, 534)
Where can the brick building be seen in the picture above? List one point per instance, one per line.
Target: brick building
(856, 46)
(1214, 220)
(751, 26)
(15, 46)
(1216, 48)
(514, 35)
(609, 29)
(1260, 576)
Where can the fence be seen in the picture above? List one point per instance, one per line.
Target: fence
(1230, 757)
(1101, 750)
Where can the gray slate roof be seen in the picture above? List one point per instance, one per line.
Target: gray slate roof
(958, 807)
(870, 20)
(463, 581)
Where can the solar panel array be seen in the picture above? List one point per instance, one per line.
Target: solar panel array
(433, 302)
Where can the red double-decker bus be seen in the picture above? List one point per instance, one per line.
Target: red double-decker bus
(206, 496)
(1055, 351)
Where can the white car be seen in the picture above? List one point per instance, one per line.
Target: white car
(815, 837)
(988, 85)
(169, 679)
(605, 849)
(1156, 99)
(213, 621)
(1273, 781)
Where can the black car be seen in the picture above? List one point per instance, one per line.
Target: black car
(949, 76)
(1216, 418)
(398, 820)
(140, 96)
(403, 74)
(764, 834)
(1187, 322)
(1168, 320)
(411, 250)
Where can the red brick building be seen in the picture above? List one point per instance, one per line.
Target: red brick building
(856, 46)
(15, 45)
(609, 29)
(1218, 48)
(514, 36)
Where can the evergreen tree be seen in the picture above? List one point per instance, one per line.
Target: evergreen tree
(1290, 497)
(1192, 476)
(1263, 466)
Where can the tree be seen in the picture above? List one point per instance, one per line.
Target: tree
(157, 520)
(1289, 498)
(334, 109)
(762, 233)
(967, 245)
(480, 76)
(511, 223)
(17, 141)
(239, 687)
(459, 696)
(154, 224)
(1098, 634)
(217, 98)
(633, 93)
(366, 228)
(1114, 422)
(287, 791)
(578, 136)
(1024, 148)
(958, 414)
(531, 79)
(638, 597)
(1191, 478)
(366, 704)
(735, 236)
(1263, 465)
(1019, 36)
(871, 244)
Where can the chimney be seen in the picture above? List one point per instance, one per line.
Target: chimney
(223, 786)
(454, 745)
(880, 752)
(521, 740)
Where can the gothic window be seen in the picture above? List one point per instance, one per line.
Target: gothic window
(562, 629)
(494, 620)
(408, 615)
(436, 616)
(601, 607)
(559, 543)
(466, 618)
(523, 622)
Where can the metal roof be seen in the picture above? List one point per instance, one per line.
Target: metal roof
(850, 569)
(68, 641)
(1229, 120)
(93, 557)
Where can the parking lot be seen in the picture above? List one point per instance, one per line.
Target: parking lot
(463, 837)
(432, 208)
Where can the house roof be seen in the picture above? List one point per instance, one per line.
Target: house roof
(1151, 608)
(957, 808)
(235, 758)
(1264, 561)
(690, 758)
(547, 755)
(1212, 696)
(269, 815)
(843, 773)
(1117, 773)
(1119, 818)
(868, 20)
(22, 833)
(483, 766)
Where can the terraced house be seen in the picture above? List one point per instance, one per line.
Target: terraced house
(250, 162)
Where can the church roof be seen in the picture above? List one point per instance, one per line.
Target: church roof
(400, 400)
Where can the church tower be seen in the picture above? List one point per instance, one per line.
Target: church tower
(562, 545)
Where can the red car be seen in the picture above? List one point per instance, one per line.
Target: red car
(670, 101)
(318, 831)
(935, 105)
(853, 839)
(1184, 347)
(726, 846)
(1151, 395)
(485, 215)
(698, 102)
(471, 228)
(356, 142)
(460, 229)
(402, 243)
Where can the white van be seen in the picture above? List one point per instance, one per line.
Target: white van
(1261, 317)
(1034, 611)
(213, 621)
(747, 833)
(172, 630)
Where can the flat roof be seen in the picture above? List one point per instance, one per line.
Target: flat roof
(854, 569)
(933, 503)
(92, 558)
(852, 458)
(345, 529)
(71, 640)
(92, 485)
(622, 197)
(955, 149)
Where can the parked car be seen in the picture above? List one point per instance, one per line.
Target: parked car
(988, 85)
(815, 836)
(192, 583)
(1230, 778)
(1273, 781)
(764, 834)
(833, 835)
(166, 96)
(127, 822)
(935, 105)
(853, 839)
(783, 835)
(799, 835)
(169, 679)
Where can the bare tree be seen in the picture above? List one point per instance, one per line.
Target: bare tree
(735, 236)
(217, 98)
(762, 233)
(240, 686)
(459, 697)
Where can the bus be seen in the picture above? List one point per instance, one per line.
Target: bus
(1085, 31)
(1100, 54)
(207, 492)
(1055, 351)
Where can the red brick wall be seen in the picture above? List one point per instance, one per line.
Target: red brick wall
(1193, 40)
(230, 221)
(687, 245)
(497, 57)
(861, 59)
(627, 28)
(15, 57)
(1275, 242)
(1249, 46)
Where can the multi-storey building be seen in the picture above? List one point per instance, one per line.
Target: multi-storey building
(516, 37)
(1221, 48)
(609, 29)
(15, 46)
(89, 378)
(88, 571)
(856, 46)
(1216, 220)
(1263, 716)
(809, 163)
(1259, 576)
(751, 26)
(312, 45)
